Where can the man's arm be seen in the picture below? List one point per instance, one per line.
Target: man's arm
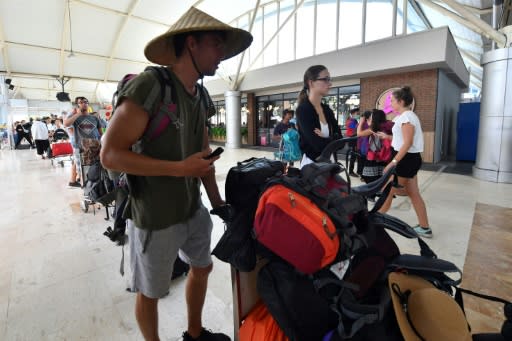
(70, 119)
(209, 180)
(127, 127)
(276, 136)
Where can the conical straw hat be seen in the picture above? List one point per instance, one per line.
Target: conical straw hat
(160, 50)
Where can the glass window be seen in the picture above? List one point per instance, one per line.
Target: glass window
(414, 22)
(243, 23)
(347, 102)
(325, 26)
(305, 20)
(332, 102)
(379, 19)
(351, 13)
(399, 16)
(276, 97)
(270, 28)
(291, 95)
(245, 112)
(257, 43)
(351, 89)
(287, 33)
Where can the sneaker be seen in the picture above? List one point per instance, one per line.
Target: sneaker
(423, 232)
(206, 335)
(353, 174)
(74, 184)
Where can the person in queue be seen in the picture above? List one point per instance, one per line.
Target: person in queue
(317, 124)
(166, 216)
(407, 142)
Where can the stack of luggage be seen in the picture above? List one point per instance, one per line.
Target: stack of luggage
(332, 270)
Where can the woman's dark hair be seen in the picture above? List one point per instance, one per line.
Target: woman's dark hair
(404, 94)
(311, 74)
(367, 114)
(378, 117)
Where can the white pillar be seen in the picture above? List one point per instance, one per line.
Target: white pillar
(4, 111)
(494, 150)
(233, 117)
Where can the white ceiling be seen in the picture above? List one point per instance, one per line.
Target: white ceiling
(108, 39)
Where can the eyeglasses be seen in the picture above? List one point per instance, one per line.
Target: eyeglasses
(83, 102)
(325, 79)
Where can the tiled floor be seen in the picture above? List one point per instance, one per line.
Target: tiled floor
(59, 276)
(488, 266)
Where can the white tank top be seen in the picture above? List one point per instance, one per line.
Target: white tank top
(324, 129)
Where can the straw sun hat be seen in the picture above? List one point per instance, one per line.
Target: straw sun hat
(433, 313)
(160, 50)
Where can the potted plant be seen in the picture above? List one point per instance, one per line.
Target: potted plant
(245, 134)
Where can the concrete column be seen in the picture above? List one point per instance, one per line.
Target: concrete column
(494, 150)
(233, 136)
(4, 111)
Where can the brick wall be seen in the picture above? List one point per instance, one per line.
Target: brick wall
(424, 87)
(422, 83)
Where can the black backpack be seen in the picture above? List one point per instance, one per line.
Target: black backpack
(116, 233)
(99, 187)
(243, 186)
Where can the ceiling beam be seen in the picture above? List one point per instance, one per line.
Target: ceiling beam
(470, 58)
(415, 5)
(235, 83)
(50, 77)
(444, 11)
(486, 29)
(113, 11)
(82, 54)
(468, 41)
(478, 11)
(291, 15)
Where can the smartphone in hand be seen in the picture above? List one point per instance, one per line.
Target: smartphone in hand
(215, 153)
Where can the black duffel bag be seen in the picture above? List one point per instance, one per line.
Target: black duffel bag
(243, 186)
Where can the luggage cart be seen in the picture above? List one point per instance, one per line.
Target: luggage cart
(245, 293)
(61, 151)
(88, 157)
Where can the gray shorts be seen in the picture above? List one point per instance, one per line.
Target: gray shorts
(152, 269)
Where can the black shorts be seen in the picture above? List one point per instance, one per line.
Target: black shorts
(409, 166)
(42, 146)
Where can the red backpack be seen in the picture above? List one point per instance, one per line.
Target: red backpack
(297, 220)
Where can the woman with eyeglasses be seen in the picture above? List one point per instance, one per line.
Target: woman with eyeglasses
(316, 121)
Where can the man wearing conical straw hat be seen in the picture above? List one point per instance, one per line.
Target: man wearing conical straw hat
(165, 214)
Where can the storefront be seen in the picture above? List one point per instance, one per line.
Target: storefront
(270, 109)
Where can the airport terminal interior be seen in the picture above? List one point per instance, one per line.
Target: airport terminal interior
(60, 276)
